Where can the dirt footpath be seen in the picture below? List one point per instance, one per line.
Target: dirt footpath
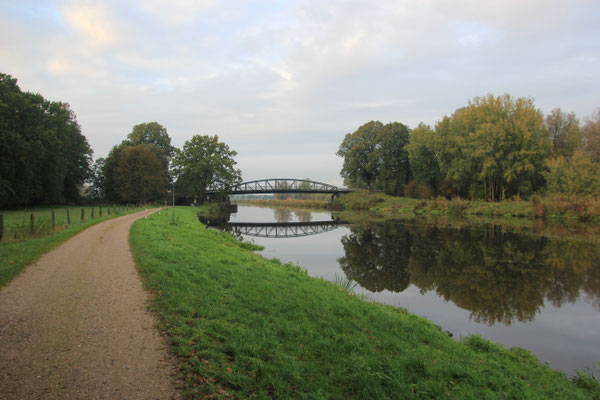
(75, 325)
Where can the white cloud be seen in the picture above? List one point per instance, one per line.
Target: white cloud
(93, 21)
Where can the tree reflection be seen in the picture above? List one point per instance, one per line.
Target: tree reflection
(282, 215)
(303, 216)
(499, 277)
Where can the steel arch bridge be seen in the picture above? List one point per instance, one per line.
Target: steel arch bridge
(277, 185)
(282, 230)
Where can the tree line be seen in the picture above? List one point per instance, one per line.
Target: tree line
(44, 156)
(144, 166)
(45, 159)
(494, 148)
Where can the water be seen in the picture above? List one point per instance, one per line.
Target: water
(516, 289)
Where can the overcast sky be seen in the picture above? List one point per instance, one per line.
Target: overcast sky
(282, 82)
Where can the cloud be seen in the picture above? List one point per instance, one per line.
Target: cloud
(268, 76)
(93, 21)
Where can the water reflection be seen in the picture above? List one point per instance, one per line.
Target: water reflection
(499, 277)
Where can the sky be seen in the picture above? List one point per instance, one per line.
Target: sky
(282, 82)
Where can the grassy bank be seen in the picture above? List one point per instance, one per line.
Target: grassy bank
(15, 255)
(552, 208)
(246, 327)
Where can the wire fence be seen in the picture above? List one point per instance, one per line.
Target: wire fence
(18, 225)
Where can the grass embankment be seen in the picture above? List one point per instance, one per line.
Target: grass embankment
(553, 208)
(246, 327)
(15, 255)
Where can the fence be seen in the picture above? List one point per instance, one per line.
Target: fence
(24, 224)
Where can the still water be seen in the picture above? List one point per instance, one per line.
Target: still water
(516, 289)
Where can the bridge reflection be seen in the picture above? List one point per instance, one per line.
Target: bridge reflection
(272, 229)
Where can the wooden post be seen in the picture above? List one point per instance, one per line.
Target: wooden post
(100, 211)
(92, 216)
(68, 217)
(82, 214)
(53, 221)
(32, 220)
(108, 209)
(1, 226)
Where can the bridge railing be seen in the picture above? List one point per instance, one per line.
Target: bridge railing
(277, 185)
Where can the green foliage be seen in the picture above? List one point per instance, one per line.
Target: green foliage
(591, 136)
(494, 148)
(577, 176)
(563, 130)
(246, 327)
(130, 172)
(202, 162)
(422, 155)
(139, 175)
(152, 133)
(45, 158)
(375, 157)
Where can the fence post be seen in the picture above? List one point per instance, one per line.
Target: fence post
(32, 220)
(53, 221)
(100, 213)
(1, 226)
(68, 217)
(82, 214)
(108, 209)
(92, 216)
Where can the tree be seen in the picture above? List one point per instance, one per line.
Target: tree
(577, 176)
(423, 157)
(45, 158)
(152, 133)
(494, 148)
(563, 130)
(375, 157)
(139, 175)
(96, 179)
(202, 162)
(591, 136)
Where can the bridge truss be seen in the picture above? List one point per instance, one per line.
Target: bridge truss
(283, 230)
(277, 185)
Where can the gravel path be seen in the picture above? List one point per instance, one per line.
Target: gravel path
(75, 325)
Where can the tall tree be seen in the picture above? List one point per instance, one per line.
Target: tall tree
(494, 148)
(375, 157)
(45, 158)
(563, 132)
(591, 136)
(152, 133)
(422, 156)
(202, 162)
(139, 175)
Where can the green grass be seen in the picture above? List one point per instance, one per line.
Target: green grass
(245, 327)
(15, 255)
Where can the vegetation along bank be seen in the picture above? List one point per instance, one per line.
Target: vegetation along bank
(243, 326)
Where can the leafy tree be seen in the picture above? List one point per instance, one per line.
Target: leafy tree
(375, 157)
(45, 158)
(494, 148)
(563, 130)
(202, 162)
(423, 157)
(96, 179)
(139, 175)
(577, 176)
(591, 136)
(152, 133)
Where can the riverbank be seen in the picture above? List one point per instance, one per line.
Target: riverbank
(16, 255)
(561, 208)
(243, 326)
